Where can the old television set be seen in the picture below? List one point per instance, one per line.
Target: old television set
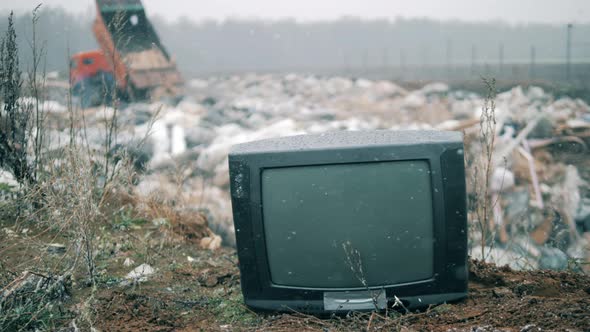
(350, 221)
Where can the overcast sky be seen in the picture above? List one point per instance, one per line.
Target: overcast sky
(513, 11)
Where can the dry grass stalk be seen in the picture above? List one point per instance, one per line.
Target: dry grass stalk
(482, 204)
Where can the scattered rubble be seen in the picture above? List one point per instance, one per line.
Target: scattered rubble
(10, 233)
(541, 167)
(537, 179)
(56, 248)
(128, 262)
(7, 179)
(139, 274)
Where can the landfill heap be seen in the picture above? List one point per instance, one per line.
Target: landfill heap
(539, 192)
(540, 169)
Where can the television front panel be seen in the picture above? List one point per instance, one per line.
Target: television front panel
(350, 220)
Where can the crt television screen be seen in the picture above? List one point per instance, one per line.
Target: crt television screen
(349, 225)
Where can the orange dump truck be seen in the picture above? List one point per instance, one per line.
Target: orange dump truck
(131, 59)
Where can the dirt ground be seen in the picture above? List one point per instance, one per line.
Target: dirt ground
(207, 298)
(199, 290)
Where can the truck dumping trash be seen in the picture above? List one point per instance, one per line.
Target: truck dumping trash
(131, 57)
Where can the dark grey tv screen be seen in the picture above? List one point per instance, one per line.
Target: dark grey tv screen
(350, 221)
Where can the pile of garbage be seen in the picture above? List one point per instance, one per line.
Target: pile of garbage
(539, 173)
(539, 183)
(539, 169)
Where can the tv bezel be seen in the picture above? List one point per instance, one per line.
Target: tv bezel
(444, 155)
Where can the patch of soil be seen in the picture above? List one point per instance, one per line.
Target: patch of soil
(511, 300)
(199, 290)
(499, 299)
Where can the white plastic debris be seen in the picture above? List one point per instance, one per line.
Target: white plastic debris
(140, 273)
(198, 84)
(232, 134)
(435, 88)
(414, 100)
(7, 178)
(502, 180)
(177, 141)
(128, 262)
(10, 233)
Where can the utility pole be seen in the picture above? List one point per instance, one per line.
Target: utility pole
(345, 62)
(366, 61)
(532, 64)
(449, 58)
(402, 62)
(425, 60)
(473, 58)
(422, 73)
(500, 58)
(568, 52)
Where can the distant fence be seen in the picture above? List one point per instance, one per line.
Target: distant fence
(554, 73)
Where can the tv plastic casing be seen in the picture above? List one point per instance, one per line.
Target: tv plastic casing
(444, 153)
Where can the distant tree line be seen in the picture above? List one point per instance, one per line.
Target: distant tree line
(248, 45)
